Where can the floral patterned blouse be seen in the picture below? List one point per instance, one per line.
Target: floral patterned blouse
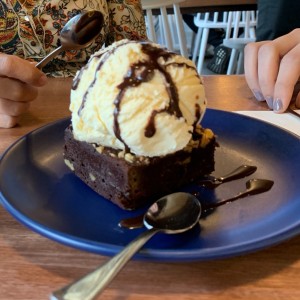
(30, 29)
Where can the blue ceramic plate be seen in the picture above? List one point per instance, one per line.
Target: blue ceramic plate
(40, 191)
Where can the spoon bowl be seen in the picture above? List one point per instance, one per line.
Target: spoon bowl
(174, 213)
(81, 30)
(77, 33)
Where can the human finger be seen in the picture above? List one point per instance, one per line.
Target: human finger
(287, 42)
(15, 90)
(8, 121)
(287, 78)
(268, 66)
(10, 66)
(13, 108)
(251, 68)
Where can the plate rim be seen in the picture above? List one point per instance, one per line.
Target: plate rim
(147, 253)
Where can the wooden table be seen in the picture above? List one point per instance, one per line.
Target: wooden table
(31, 266)
(194, 6)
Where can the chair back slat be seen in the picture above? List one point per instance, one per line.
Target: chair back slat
(169, 33)
(239, 27)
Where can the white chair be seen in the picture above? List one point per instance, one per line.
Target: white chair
(232, 23)
(204, 22)
(167, 29)
(236, 40)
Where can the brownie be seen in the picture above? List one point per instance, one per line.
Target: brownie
(133, 181)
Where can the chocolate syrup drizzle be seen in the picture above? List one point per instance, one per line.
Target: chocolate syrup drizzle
(140, 72)
(78, 77)
(253, 187)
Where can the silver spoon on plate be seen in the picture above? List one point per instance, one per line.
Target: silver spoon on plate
(174, 213)
(78, 33)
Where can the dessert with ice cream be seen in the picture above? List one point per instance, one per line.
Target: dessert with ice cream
(135, 133)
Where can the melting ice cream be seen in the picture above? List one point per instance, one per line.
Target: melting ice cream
(137, 97)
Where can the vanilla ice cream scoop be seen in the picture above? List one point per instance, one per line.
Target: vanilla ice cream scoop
(137, 97)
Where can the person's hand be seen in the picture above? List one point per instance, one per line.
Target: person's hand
(272, 69)
(19, 80)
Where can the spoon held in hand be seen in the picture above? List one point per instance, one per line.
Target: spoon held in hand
(174, 213)
(78, 33)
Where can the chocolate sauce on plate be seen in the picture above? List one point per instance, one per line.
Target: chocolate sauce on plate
(238, 173)
(253, 187)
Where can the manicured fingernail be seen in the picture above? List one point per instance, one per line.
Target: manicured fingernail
(258, 95)
(269, 100)
(277, 105)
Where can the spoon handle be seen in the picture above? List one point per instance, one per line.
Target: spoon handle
(95, 282)
(49, 57)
